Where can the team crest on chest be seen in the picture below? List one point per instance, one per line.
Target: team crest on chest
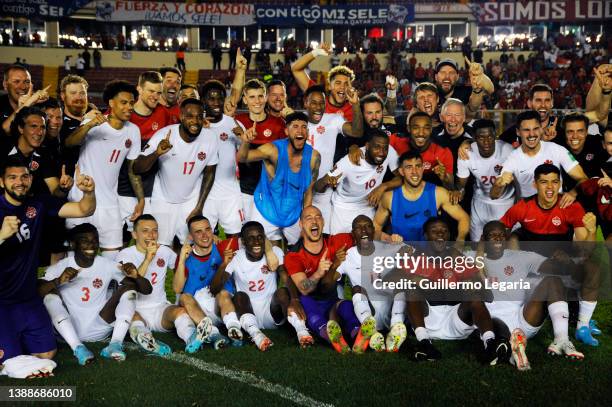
(34, 165)
(556, 221)
(30, 213)
(498, 169)
(508, 270)
(161, 262)
(154, 126)
(128, 143)
(97, 283)
(201, 156)
(590, 157)
(223, 136)
(321, 129)
(548, 162)
(267, 133)
(379, 169)
(265, 269)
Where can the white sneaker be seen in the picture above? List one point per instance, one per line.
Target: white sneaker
(518, 344)
(566, 348)
(203, 329)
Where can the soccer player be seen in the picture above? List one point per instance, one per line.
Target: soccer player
(430, 311)
(322, 131)
(388, 306)
(187, 91)
(312, 265)
(522, 162)
(105, 143)
(187, 156)
(277, 97)
(224, 203)
(259, 302)
(25, 327)
(196, 268)
(53, 110)
(542, 217)
(485, 165)
(172, 79)
(355, 183)
(74, 291)
(412, 203)
(153, 311)
(290, 170)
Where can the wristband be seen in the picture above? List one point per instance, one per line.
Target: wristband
(391, 93)
(317, 52)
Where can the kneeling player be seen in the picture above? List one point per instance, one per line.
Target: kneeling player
(258, 300)
(388, 306)
(74, 292)
(153, 311)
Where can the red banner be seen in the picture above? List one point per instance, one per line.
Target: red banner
(530, 12)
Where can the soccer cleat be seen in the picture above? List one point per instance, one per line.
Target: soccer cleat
(114, 351)
(584, 335)
(377, 342)
(163, 350)
(566, 348)
(334, 332)
(305, 339)
(193, 344)
(497, 350)
(204, 328)
(396, 337)
(218, 340)
(425, 350)
(594, 328)
(518, 344)
(262, 341)
(147, 342)
(367, 329)
(235, 335)
(83, 355)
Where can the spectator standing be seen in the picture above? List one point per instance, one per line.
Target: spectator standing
(97, 57)
(217, 55)
(67, 63)
(80, 65)
(87, 57)
(180, 58)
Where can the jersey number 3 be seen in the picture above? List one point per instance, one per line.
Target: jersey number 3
(85, 296)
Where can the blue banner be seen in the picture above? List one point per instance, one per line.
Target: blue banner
(338, 15)
(45, 9)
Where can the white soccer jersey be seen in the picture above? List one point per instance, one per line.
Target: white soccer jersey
(486, 171)
(254, 278)
(357, 181)
(86, 294)
(156, 273)
(103, 151)
(226, 180)
(522, 166)
(322, 137)
(180, 170)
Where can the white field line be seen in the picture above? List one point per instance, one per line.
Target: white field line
(246, 378)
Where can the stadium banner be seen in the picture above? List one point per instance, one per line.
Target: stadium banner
(47, 9)
(529, 12)
(233, 14)
(338, 15)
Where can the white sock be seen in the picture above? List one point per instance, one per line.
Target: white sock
(214, 330)
(249, 323)
(398, 308)
(61, 320)
(231, 320)
(585, 312)
(184, 327)
(109, 254)
(296, 322)
(559, 316)
(361, 307)
(421, 333)
(486, 336)
(123, 314)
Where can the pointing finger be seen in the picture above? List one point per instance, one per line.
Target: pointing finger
(168, 135)
(467, 60)
(324, 257)
(47, 88)
(77, 171)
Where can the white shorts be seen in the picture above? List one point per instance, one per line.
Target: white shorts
(227, 212)
(342, 216)
(96, 331)
(323, 202)
(484, 212)
(172, 219)
(248, 203)
(126, 208)
(511, 314)
(261, 309)
(209, 305)
(291, 233)
(443, 322)
(109, 224)
(153, 315)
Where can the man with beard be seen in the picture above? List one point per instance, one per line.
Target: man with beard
(485, 165)
(187, 157)
(290, 170)
(322, 131)
(25, 327)
(171, 84)
(522, 162)
(415, 201)
(224, 203)
(105, 143)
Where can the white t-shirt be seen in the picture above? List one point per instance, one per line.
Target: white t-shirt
(322, 137)
(254, 278)
(103, 151)
(226, 180)
(179, 177)
(357, 181)
(486, 171)
(522, 166)
(156, 273)
(86, 294)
